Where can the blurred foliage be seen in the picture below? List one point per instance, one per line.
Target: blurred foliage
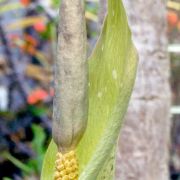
(56, 3)
(27, 49)
(39, 148)
(33, 165)
(173, 19)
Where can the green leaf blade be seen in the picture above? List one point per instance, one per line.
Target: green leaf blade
(49, 162)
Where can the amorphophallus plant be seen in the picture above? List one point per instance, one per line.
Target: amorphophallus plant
(112, 69)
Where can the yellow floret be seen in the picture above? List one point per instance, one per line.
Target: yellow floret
(66, 166)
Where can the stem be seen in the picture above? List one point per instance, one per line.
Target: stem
(71, 77)
(17, 163)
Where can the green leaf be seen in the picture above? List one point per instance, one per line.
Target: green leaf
(38, 147)
(49, 162)
(112, 70)
(37, 110)
(56, 3)
(6, 178)
(38, 140)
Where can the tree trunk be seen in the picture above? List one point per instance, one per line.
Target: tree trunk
(143, 145)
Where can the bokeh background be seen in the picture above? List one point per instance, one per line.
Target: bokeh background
(28, 35)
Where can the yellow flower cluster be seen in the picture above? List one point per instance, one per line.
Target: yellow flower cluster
(66, 166)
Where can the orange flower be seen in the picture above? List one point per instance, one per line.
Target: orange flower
(31, 100)
(31, 50)
(30, 39)
(40, 27)
(25, 2)
(37, 96)
(172, 18)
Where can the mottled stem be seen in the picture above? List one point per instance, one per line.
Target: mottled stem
(71, 77)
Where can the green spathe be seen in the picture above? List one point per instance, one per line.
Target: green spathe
(112, 69)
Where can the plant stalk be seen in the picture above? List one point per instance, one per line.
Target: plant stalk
(71, 77)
